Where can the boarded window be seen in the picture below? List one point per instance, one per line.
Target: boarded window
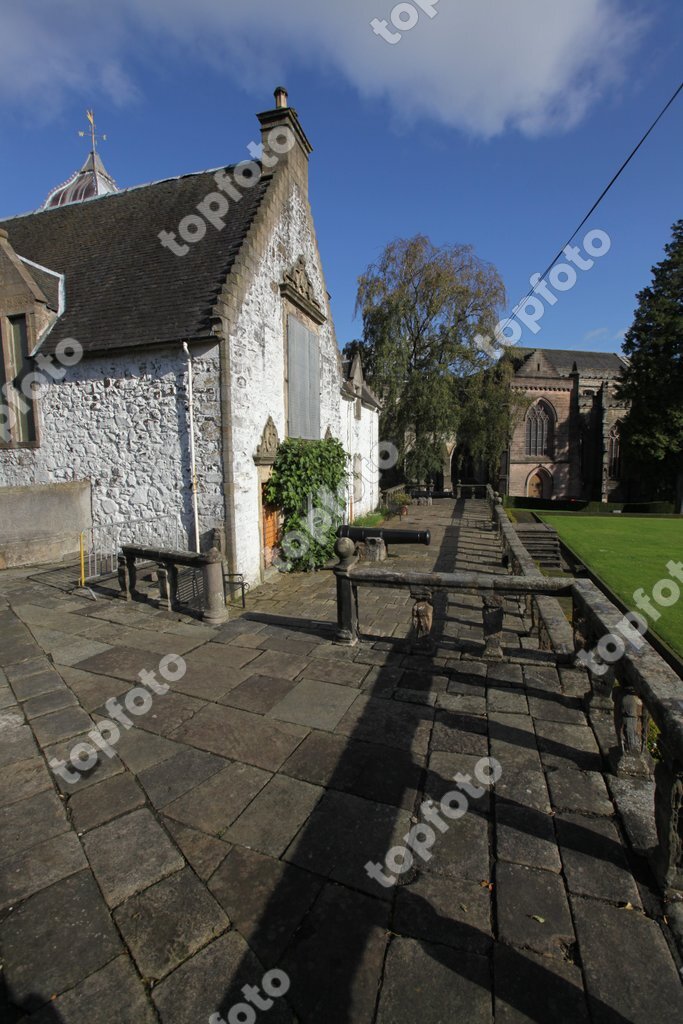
(303, 375)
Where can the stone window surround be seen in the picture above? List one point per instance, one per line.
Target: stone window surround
(5, 317)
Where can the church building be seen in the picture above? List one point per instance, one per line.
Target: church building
(567, 444)
(157, 344)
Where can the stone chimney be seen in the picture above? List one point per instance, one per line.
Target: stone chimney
(284, 141)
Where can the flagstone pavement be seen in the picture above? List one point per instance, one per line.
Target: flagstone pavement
(228, 832)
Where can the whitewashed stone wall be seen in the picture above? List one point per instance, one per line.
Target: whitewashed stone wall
(257, 354)
(121, 422)
(361, 438)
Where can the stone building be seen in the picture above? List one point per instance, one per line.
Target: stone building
(567, 445)
(179, 329)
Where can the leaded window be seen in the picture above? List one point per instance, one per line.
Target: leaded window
(539, 430)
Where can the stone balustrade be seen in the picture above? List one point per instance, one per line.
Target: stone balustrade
(637, 687)
(211, 565)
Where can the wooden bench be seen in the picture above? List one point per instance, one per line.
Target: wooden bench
(167, 562)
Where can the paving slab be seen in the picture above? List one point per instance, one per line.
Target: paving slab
(92, 690)
(265, 899)
(464, 850)
(104, 768)
(210, 982)
(630, 974)
(37, 684)
(530, 989)
(258, 694)
(568, 746)
(107, 800)
(139, 749)
(315, 704)
(58, 725)
(355, 927)
(525, 835)
(388, 723)
(158, 642)
(31, 821)
(453, 912)
(342, 834)
(242, 736)
(56, 700)
(204, 853)
(594, 859)
(55, 939)
(532, 909)
(275, 815)
(116, 987)
(129, 854)
(34, 869)
(120, 662)
(174, 776)
(168, 922)
(212, 806)
(524, 787)
(17, 742)
(276, 663)
(23, 779)
(342, 673)
(584, 792)
(450, 985)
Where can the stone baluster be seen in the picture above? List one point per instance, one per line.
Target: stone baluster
(669, 820)
(493, 615)
(347, 596)
(631, 722)
(422, 640)
(215, 609)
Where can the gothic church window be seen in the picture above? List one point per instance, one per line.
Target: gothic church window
(539, 430)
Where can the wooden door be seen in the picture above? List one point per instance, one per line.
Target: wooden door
(271, 529)
(535, 488)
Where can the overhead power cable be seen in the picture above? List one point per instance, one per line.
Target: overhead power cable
(597, 202)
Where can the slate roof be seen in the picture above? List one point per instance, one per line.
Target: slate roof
(125, 290)
(589, 364)
(47, 282)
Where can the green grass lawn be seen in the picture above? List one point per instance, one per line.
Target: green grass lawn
(629, 553)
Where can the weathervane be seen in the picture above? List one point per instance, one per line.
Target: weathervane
(90, 114)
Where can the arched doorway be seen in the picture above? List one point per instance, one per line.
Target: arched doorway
(539, 484)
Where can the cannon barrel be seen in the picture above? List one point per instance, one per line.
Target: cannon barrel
(359, 533)
(432, 494)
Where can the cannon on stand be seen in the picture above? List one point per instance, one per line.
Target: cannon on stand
(377, 539)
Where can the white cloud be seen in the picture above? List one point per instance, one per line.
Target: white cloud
(483, 66)
(599, 332)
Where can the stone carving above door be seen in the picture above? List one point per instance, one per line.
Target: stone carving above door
(265, 452)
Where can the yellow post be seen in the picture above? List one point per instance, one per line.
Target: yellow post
(82, 549)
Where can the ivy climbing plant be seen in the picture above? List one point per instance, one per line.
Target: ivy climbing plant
(307, 484)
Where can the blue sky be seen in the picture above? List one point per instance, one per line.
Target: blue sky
(491, 123)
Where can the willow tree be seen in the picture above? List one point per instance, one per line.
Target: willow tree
(422, 307)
